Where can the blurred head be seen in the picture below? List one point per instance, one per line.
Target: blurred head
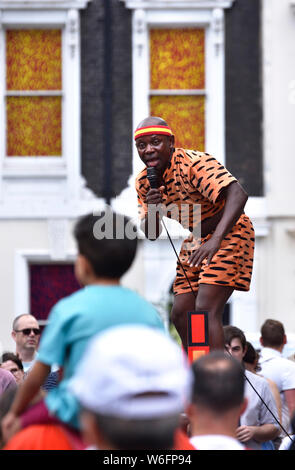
(235, 342)
(7, 381)
(6, 400)
(273, 334)
(107, 246)
(132, 383)
(218, 384)
(13, 364)
(26, 334)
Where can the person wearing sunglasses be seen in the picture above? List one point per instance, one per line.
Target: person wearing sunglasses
(26, 334)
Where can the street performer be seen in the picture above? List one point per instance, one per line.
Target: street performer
(220, 259)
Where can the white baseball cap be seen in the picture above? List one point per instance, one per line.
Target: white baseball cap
(133, 372)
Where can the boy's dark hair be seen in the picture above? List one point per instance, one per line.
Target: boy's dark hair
(108, 241)
(218, 382)
(9, 356)
(272, 333)
(231, 332)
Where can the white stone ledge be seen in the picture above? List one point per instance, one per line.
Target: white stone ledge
(178, 4)
(42, 4)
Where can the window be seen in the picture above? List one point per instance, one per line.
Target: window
(177, 82)
(48, 284)
(41, 279)
(40, 128)
(33, 92)
(178, 70)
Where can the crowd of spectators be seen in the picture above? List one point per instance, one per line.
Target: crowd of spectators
(105, 374)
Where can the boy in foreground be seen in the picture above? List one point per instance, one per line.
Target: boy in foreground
(101, 303)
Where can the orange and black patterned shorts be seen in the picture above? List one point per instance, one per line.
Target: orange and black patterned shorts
(230, 266)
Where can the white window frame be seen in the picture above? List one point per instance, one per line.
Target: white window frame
(38, 186)
(33, 165)
(180, 91)
(208, 15)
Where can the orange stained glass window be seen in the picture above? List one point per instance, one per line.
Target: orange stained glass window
(186, 117)
(177, 58)
(33, 126)
(33, 59)
(33, 92)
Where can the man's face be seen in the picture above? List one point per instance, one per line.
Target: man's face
(235, 348)
(14, 369)
(155, 150)
(26, 341)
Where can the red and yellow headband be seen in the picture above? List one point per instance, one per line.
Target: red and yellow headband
(150, 130)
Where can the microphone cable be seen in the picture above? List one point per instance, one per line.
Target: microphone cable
(152, 177)
(177, 256)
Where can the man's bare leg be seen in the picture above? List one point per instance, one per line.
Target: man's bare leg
(183, 303)
(212, 298)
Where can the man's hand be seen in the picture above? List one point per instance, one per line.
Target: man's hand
(10, 425)
(245, 433)
(151, 225)
(154, 195)
(207, 250)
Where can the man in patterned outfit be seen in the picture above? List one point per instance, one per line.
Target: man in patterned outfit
(219, 260)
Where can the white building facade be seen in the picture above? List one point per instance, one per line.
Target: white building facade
(41, 197)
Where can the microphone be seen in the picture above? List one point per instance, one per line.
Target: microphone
(152, 176)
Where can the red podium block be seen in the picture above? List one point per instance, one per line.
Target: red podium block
(197, 335)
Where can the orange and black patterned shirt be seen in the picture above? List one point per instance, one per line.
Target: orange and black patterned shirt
(194, 179)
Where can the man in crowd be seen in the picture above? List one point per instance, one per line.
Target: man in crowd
(257, 424)
(277, 368)
(217, 402)
(26, 334)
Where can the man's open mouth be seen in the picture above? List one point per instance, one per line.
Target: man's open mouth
(152, 162)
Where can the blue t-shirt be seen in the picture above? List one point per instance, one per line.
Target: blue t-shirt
(73, 321)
